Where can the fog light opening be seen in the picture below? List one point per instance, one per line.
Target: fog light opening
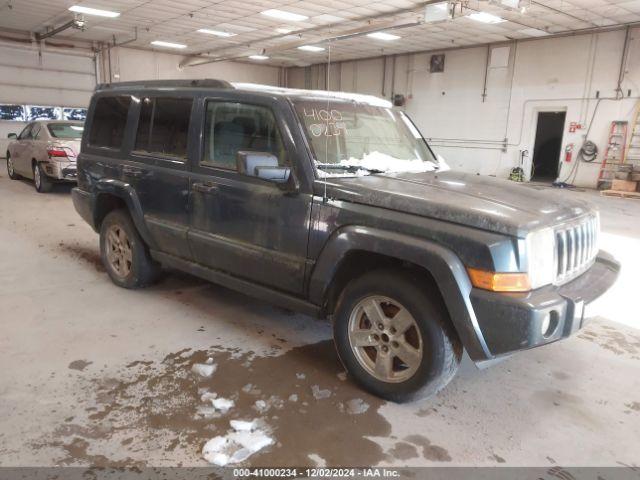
(549, 324)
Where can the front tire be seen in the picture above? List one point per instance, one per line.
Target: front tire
(394, 337)
(11, 171)
(124, 253)
(42, 183)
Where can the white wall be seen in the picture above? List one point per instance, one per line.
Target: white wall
(565, 73)
(42, 77)
(32, 76)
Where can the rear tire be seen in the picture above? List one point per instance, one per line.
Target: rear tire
(408, 348)
(11, 171)
(40, 180)
(123, 252)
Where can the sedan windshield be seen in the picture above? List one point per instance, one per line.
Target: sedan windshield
(349, 138)
(71, 131)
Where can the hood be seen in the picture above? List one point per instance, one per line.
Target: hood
(478, 201)
(73, 145)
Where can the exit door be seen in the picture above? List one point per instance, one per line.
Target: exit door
(546, 150)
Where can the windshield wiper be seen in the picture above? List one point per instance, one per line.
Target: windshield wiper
(347, 168)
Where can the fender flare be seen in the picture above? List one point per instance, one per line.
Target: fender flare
(127, 193)
(443, 264)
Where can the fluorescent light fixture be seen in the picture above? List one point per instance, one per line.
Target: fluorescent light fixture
(383, 36)
(485, 17)
(162, 43)
(94, 11)
(258, 57)
(514, 4)
(437, 12)
(311, 48)
(282, 15)
(217, 33)
(533, 32)
(284, 30)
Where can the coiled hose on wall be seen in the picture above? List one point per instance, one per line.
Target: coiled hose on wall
(588, 152)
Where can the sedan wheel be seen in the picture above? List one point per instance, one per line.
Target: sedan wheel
(11, 169)
(40, 180)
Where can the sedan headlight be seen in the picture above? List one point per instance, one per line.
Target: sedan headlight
(540, 257)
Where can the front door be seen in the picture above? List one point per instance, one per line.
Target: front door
(21, 152)
(240, 224)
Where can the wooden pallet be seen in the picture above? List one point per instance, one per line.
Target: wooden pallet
(619, 193)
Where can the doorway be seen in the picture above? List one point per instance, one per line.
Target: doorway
(546, 150)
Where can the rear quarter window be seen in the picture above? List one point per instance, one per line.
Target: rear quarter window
(109, 121)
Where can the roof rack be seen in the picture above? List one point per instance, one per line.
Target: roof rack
(196, 83)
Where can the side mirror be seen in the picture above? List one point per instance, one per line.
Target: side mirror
(12, 136)
(262, 165)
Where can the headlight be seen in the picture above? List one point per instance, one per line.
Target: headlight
(541, 259)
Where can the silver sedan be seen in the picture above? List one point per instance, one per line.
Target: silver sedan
(46, 152)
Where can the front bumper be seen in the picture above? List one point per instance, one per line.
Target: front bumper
(60, 170)
(510, 322)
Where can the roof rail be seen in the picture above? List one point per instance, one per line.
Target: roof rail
(196, 83)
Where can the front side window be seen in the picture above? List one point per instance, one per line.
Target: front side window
(231, 127)
(163, 127)
(349, 138)
(109, 121)
(25, 134)
(70, 131)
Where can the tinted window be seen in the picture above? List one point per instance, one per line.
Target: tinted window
(66, 130)
(109, 121)
(163, 127)
(231, 127)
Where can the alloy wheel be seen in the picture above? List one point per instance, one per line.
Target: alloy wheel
(10, 167)
(37, 180)
(119, 251)
(385, 339)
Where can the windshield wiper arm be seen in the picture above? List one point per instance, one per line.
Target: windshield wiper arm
(348, 168)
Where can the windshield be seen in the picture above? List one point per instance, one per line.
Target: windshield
(349, 138)
(70, 131)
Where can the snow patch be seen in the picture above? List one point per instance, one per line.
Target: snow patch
(204, 369)
(237, 445)
(300, 376)
(319, 394)
(357, 406)
(293, 397)
(317, 459)
(381, 162)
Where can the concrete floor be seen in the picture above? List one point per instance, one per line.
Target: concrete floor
(95, 374)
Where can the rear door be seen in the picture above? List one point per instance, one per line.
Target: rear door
(158, 168)
(243, 225)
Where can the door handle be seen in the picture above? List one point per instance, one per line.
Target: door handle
(205, 187)
(133, 171)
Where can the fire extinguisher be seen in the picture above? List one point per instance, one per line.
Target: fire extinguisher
(568, 153)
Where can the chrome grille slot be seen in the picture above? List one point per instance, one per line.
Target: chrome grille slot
(576, 248)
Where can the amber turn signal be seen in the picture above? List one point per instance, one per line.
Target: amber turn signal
(499, 282)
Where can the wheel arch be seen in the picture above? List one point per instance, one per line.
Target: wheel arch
(354, 250)
(113, 194)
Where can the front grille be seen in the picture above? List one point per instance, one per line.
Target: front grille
(576, 248)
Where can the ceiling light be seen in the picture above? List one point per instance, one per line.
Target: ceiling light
(258, 57)
(94, 11)
(282, 15)
(161, 43)
(533, 32)
(485, 17)
(437, 12)
(284, 30)
(217, 33)
(383, 36)
(311, 48)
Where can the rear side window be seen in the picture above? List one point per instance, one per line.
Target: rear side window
(163, 127)
(231, 127)
(109, 121)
